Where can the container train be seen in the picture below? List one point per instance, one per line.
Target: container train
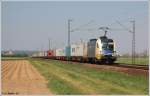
(100, 50)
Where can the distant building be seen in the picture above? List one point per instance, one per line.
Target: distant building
(7, 53)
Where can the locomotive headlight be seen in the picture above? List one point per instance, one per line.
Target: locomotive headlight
(114, 53)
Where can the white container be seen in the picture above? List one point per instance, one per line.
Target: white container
(41, 53)
(60, 52)
(79, 49)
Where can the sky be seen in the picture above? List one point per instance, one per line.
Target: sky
(29, 25)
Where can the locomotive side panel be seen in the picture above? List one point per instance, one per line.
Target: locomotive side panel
(91, 48)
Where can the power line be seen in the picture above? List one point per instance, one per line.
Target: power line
(49, 44)
(114, 22)
(69, 21)
(133, 37)
(68, 49)
(80, 27)
(123, 26)
(133, 42)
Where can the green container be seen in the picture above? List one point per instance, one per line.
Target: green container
(68, 51)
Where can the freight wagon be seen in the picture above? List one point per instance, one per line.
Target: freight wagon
(50, 54)
(60, 54)
(79, 52)
(39, 54)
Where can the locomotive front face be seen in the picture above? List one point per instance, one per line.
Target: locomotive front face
(105, 49)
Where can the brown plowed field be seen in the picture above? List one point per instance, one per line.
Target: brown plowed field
(20, 77)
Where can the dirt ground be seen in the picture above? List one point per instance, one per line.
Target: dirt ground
(20, 77)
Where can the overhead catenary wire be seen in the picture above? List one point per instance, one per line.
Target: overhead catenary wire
(49, 43)
(82, 26)
(124, 27)
(133, 37)
(76, 29)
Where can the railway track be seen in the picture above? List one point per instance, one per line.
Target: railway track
(135, 66)
(121, 65)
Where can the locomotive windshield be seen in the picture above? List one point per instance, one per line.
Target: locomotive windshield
(110, 47)
(107, 44)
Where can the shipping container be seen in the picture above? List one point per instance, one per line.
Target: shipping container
(60, 52)
(38, 54)
(67, 51)
(79, 49)
(50, 53)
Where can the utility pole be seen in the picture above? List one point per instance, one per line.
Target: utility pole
(133, 37)
(69, 32)
(69, 37)
(133, 42)
(49, 42)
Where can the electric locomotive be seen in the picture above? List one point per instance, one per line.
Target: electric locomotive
(101, 50)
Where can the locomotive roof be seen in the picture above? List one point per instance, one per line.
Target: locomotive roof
(93, 39)
(105, 39)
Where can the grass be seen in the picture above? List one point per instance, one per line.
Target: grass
(13, 58)
(77, 79)
(144, 61)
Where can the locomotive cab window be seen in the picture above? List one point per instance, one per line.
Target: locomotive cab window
(111, 47)
(104, 47)
(107, 46)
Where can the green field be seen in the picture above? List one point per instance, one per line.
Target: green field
(66, 78)
(144, 61)
(13, 58)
